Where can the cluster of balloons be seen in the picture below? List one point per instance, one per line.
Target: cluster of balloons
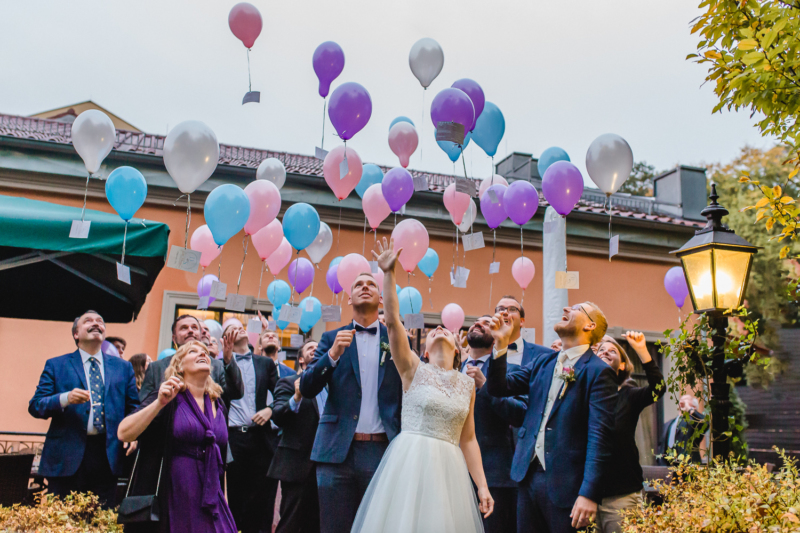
(279, 293)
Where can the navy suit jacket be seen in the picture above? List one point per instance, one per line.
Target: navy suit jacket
(530, 351)
(337, 425)
(578, 433)
(285, 371)
(66, 438)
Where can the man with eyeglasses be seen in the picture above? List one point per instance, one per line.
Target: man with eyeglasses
(520, 352)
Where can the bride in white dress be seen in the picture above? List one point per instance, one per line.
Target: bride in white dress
(422, 484)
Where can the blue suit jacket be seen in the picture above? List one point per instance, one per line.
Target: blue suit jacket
(66, 438)
(530, 351)
(337, 425)
(578, 433)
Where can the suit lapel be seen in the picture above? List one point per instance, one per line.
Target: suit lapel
(77, 364)
(106, 376)
(578, 366)
(384, 337)
(545, 379)
(258, 367)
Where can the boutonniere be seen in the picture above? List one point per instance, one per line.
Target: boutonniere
(567, 375)
(385, 350)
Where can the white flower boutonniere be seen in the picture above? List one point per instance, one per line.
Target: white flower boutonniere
(385, 350)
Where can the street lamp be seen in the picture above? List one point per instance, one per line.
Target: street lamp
(716, 263)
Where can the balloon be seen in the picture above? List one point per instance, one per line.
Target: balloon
(328, 61)
(675, 283)
(126, 190)
(429, 262)
(233, 321)
(401, 119)
(489, 129)
(494, 213)
(397, 188)
(202, 241)
(267, 239)
(166, 353)
(214, 328)
(412, 237)
(426, 60)
(370, 175)
(342, 186)
(609, 161)
(226, 210)
(374, 205)
(93, 136)
(379, 278)
(452, 149)
(301, 274)
(456, 203)
(191, 154)
(488, 182)
(475, 94)
(349, 269)
(453, 105)
(301, 225)
(469, 217)
(350, 109)
(521, 201)
(265, 202)
(278, 292)
(410, 301)
(252, 338)
(550, 156)
(109, 349)
(562, 186)
(204, 286)
(523, 271)
(397, 288)
(336, 261)
(280, 257)
(271, 169)
(245, 23)
(321, 245)
(332, 279)
(453, 317)
(310, 318)
(403, 141)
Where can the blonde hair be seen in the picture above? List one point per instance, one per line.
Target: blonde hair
(601, 324)
(175, 368)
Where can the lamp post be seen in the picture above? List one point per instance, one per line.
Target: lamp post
(716, 263)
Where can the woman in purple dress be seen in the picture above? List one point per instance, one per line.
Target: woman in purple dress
(185, 422)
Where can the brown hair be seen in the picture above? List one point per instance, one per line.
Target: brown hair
(175, 368)
(120, 340)
(601, 324)
(624, 373)
(139, 362)
(512, 297)
(175, 323)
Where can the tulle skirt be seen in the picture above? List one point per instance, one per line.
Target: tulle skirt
(421, 486)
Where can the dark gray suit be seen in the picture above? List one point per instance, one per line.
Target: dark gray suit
(226, 376)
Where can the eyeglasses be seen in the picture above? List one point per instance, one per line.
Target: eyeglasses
(500, 309)
(584, 312)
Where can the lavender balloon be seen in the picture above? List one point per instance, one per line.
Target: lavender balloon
(301, 274)
(204, 286)
(475, 94)
(562, 186)
(397, 188)
(521, 202)
(494, 213)
(675, 283)
(350, 109)
(332, 278)
(453, 105)
(328, 64)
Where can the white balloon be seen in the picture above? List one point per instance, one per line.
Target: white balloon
(93, 136)
(272, 169)
(488, 182)
(609, 161)
(214, 328)
(469, 217)
(426, 60)
(191, 154)
(321, 245)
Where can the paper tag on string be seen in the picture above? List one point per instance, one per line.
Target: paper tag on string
(310, 305)
(473, 241)
(272, 325)
(528, 334)
(254, 325)
(493, 196)
(373, 267)
(203, 303)
(613, 246)
(331, 313)
(567, 280)
(494, 268)
(462, 274)
(319, 153)
(124, 273)
(452, 279)
(420, 183)
(550, 226)
(466, 186)
(290, 313)
(450, 131)
(80, 229)
(236, 302)
(414, 321)
(296, 340)
(344, 168)
(219, 290)
(252, 96)
(184, 259)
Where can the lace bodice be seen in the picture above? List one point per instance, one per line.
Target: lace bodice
(437, 403)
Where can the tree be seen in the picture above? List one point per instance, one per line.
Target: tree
(640, 183)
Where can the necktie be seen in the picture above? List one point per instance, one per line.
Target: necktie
(476, 362)
(98, 400)
(372, 331)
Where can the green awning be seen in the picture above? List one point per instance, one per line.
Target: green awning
(46, 275)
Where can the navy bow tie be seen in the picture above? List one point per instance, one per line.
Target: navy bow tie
(512, 346)
(372, 331)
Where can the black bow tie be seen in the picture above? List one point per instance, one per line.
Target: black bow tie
(372, 331)
(513, 346)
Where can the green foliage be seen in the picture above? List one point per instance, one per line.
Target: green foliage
(77, 512)
(640, 183)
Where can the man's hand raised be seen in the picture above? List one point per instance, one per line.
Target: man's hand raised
(501, 331)
(343, 339)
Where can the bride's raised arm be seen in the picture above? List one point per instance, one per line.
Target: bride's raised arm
(404, 358)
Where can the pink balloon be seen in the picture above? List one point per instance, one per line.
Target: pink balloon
(453, 317)
(456, 203)
(349, 268)
(202, 241)
(267, 239)
(523, 271)
(488, 182)
(412, 237)
(245, 23)
(252, 338)
(375, 206)
(342, 187)
(265, 202)
(280, 257)
(403, 141)
(379, 278)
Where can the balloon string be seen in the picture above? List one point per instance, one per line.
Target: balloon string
(491, 278)
(609, 225)
(241, 269)
(463, 161)
(521, 253)
(364, 244)
(249, 81)
(430, 297)
(124, 238)
(219, 266)
(324, 110)
(338, 228)
(85, 193)
(260, 278)
(188, 219)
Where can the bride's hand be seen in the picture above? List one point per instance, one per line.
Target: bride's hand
(386, 256)
(486, 504)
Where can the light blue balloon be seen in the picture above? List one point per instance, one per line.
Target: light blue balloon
(550, 156)
(166, 353)
(335, 261)
(410, 301)
(489, 129)
(452, 149)
(429, 262)
(301, 225)
(126, 190)
(371, 175)
(226, 212)
(398, 288)
(281, 324)
(279, 292)
(310, 318)
(401, 119)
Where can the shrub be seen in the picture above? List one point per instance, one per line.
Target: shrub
(76, 512)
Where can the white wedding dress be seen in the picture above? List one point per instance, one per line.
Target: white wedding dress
(422, 484)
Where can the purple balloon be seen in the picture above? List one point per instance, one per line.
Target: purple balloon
(301, 274)
(397, 187)
(453, 105)
(350, 109)
(494, 213)
(562, 186)
(109, 349)
(675, 283)
(332, 277)
(475, 94)
(521, 202)
(328, 64)
(204, 286)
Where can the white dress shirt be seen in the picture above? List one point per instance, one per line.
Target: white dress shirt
(87, 365)
(513, 357)
(243, 410)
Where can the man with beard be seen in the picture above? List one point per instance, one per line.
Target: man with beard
(520, 352)
(493, 420)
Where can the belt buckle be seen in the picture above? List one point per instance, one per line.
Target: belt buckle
(244, 429)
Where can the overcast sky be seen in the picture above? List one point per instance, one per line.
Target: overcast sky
(561, 72)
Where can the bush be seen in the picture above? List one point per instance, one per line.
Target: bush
(76, 512)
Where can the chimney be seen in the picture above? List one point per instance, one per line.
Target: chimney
(681, 192)
(519, 166)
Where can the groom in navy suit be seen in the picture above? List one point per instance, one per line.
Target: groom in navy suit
(564, 443)
(362, 410)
